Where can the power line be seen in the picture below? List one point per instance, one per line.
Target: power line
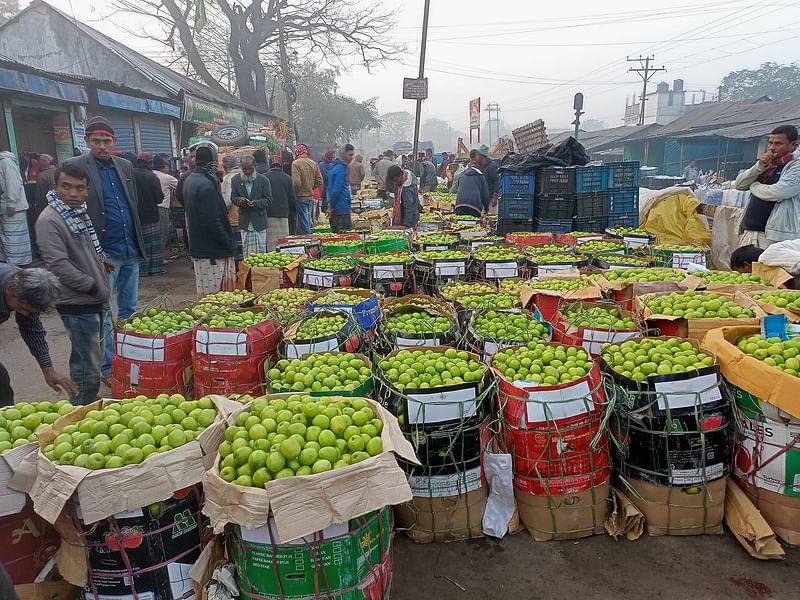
(646, 72)
(493, 106)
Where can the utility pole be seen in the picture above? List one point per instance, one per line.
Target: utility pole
(493, 106)
(422, 48)
(646, 72)
(287, 80)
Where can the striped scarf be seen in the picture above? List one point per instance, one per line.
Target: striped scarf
(76, 219)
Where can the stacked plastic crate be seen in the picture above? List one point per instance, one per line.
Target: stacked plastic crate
(516, 205)
(623, 194)
(586, 198)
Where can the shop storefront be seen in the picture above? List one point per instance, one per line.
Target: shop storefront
(141, 124)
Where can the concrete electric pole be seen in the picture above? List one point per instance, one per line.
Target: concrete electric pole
(493, 106)
(646, 72)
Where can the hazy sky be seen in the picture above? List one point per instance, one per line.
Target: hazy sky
(531, 56)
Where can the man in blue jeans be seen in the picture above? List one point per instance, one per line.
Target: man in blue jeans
(112, 207)
(338, 190)
(71, 250)
(306, 177)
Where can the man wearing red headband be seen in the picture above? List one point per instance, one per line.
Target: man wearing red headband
(113, 209)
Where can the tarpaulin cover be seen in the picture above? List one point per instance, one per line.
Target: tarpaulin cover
(568, 153)
(671, 214)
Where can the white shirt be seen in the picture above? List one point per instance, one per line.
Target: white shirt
(785, 255)
(168, 185)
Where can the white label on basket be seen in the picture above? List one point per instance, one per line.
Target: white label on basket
(635, 242)
(479, 243)
(134, 374)
(298, 350)
(436, 248)
(135, 347)
(442, 406)
(317, 278)
(681, 260)
(411, 342)
(502, 270)
(179, 581)
(593, 339)
(437, 486)
(226, 343)
(695, 476)
(388, 272)
(474, 234)
(622, 267)
(298, 250)
(263, 535)
(335, 307)
(547, 269)
(450, 269)
(560, 403)
(490, 347)
(684, 393)
(140, 596)
(587, 238)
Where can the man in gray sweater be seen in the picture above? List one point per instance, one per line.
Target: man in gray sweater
(71, 250)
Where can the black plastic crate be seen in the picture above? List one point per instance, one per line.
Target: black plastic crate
(517, 184)
(553, 225)
(624, 220)
(591, 179)
(555, 180)
(591, 204)
(592, 224)
(505, 226)
(515, 208)
(623, 175)
(623, 201)
(554, 206)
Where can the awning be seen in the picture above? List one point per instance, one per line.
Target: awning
(142, 105)
(42, 86)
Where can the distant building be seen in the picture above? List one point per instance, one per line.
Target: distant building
(662, 106)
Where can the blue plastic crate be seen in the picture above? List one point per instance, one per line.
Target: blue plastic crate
(592, 224)
(623, 201)
(591, 179)
(552, 225)
(623, 174)
(514, 184)
(515, 208)
(624, 220)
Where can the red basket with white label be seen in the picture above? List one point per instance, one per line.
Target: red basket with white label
(585, 324)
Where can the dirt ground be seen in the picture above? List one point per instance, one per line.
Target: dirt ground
(598, 568)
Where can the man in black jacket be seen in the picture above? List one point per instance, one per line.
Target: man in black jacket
(113, 209)
(282, 206)
(211, 243)
(148, 188)
(251, 192)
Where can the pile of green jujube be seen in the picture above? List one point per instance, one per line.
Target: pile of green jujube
(510, 326)
(418, 322)
(329, 264)
(454, 289)
(319, 325)
(630, 231)
(423, 369)
(568, 259)
(782, 299)
(594, 246)
(386, 258)
(549, 249)
(694, 305)
(687, 248)
(731, 278)
(127, 432)
(227, 318)
(20, 421)
(464, 218)
(230, 297)
(287, 303)
(599, 317)
(644, 275)
(512, 286)
(540, 362)
(345, 244)
(430, 219)
(640, 359)
(488, 300)
(436, 239)
(161, 322)
(778, 353)
(561, 285)
(619, 259)
(322, 372)
(299, 435)
(464, 228)
(270, 260)
(431, 255)
(496, 253)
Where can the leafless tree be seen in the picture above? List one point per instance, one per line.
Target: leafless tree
(240, 39)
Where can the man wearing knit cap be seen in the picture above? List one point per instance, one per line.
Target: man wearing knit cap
(113, 209)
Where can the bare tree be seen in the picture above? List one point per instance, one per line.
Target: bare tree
(246, 33)
(8, 8)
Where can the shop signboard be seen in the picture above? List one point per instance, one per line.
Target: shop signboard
(196, 110)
